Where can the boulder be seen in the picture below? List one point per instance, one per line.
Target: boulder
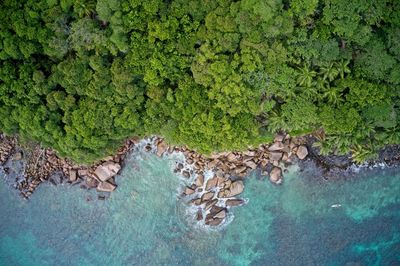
(215, 209)
(186, 174)
(240, 169)
(106, 187)
(161, 148)
(91, 182)
(234, 202)
(211, 183)
(207, 196)
(276, 175)
(179, 166)
(235, 189)
(189, 191)
(221, 214)
(279, 138)
(277, 146)
(210, 204)
(214, 222)
(231, 157)
(72, 176)
(199, 215)
(17, 156)
(196, 201)
(302, 152)
(251, 164)
(275, 156)
(200, 180)
(82, 172)
(107, 170)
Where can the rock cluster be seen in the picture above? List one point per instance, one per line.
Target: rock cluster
(43, 165)
(215, 195)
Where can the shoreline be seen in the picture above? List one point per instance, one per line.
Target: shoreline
(212, 184)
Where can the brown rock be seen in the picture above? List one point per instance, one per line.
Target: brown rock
(279, 138)
(235, 189)
(221, 214)
(215, 209)
(275, 156)
(234, 202)
(199, 215)
(207, 196)
(277, 146)
(189, 191)
(196, 201)
(210, 204)
(231, 157)
(82, 172)
(251, 164)
(161, 148)
(276, 175)
(240, 169)
(106, 187)
(211, 183)
(72, 175)
(302, 152)
(200, 180)
(107, 170)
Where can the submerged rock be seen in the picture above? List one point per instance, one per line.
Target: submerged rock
(276, 175)
(234, 202)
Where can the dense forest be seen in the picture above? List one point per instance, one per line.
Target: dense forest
(83, 75)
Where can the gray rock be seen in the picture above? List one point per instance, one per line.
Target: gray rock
(276, 175)
(302, 152)
(72, 176)
(235, 189)
(234, 202)
(106, 187)
(275, 156)
(107, 170)
(277, 146)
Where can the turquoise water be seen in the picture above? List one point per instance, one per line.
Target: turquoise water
(143, 222)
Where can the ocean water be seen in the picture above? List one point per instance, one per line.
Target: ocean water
(145, 223)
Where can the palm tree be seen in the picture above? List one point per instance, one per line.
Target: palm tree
(360, 154)
(305, 76)
(328, 71)
(342, 67)
(333, 96)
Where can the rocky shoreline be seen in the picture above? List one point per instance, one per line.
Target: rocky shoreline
(213, 184)
(213, 193)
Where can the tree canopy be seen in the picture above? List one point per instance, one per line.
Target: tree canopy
(82, 75)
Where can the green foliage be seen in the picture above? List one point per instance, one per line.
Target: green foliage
(83, 75)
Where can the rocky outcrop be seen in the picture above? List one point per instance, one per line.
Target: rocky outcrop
(107, 170)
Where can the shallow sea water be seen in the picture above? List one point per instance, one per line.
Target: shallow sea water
(144, 223)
